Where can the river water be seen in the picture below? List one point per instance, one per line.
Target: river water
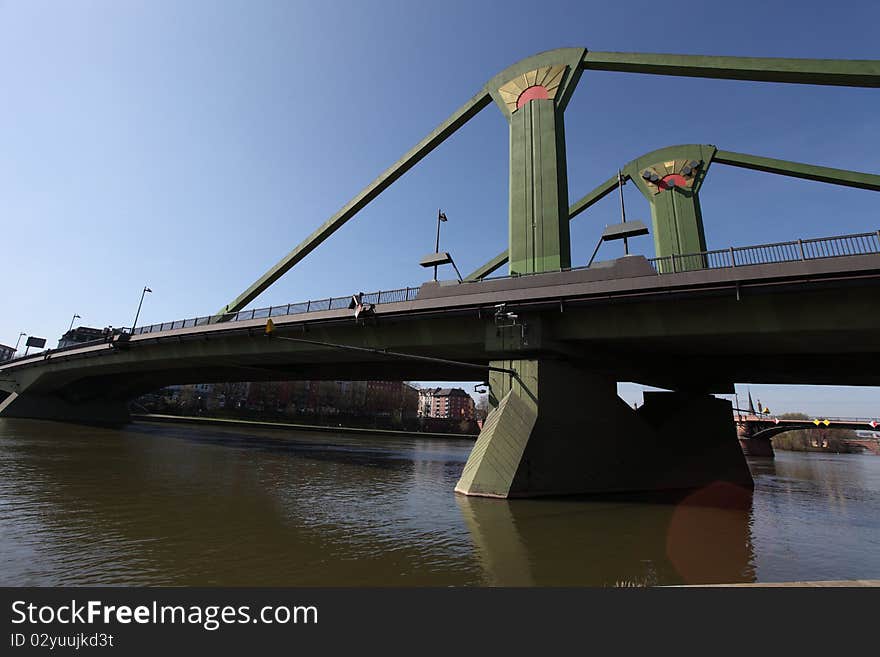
(164, 504)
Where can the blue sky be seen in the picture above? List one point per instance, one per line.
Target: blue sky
(188, 146)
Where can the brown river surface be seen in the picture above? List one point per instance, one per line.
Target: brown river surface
(186, 505)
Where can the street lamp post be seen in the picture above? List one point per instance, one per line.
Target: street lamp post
(20, 335)
(441, 216)
(140, 303)
(71, 321)
(620, 183)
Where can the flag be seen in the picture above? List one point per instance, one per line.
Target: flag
(441, 216)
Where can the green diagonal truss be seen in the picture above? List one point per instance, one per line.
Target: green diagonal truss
(835, 72)
(852, 73)
(440, 134)
(593, 197)
(798, 170)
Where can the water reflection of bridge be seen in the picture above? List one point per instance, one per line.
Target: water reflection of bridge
(704, 537)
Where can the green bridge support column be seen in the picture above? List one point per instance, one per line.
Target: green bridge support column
(556, 429)
(539, 233)
(532, 94)
(678, 223)
(670, 178)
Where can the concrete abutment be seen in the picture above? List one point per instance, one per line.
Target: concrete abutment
(54, 407)
(556, 430)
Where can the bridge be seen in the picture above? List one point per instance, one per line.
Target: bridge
(550, 339)
(755, 430)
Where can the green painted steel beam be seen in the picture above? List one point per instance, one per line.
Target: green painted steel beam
(539, 238)
(595, 196)
(838, 72)
(799, 170)
(495, 263)
(574, 210)
(442, 132)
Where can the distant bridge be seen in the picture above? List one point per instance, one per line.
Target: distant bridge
(754, 429)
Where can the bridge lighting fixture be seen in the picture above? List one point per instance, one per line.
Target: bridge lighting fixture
(20, 336)
(441, 216)
(624, 231)
(140, 303)
(71, 321)
(620, 231)
(440, 258)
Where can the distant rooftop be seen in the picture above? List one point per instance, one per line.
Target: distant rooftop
(445, 392)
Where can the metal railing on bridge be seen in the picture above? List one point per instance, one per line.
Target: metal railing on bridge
(744, 256)
(765, 254)
(332, 303)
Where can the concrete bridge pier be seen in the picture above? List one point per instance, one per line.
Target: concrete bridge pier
(752, 446)
(101, 410)
(757, 447)
(556, 429)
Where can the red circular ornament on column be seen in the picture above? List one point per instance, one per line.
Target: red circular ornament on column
(672, 180)
(536, 92)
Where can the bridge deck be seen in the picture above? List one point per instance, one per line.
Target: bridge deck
(620, 279)
(812, 321)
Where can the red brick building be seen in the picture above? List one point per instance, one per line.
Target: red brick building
(446, 403)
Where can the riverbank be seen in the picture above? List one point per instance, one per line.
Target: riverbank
(846, 583)
(231, 422)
